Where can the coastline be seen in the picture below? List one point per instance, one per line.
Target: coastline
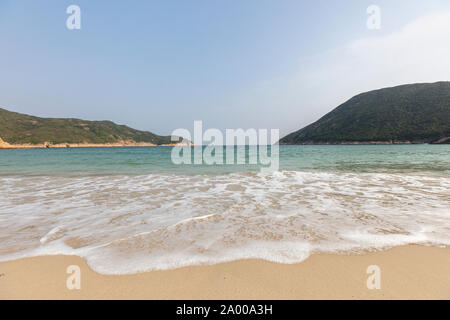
(7, 146)
(366, 143)
(408, 272)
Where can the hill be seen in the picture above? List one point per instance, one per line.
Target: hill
(22, 129)
(416, 113)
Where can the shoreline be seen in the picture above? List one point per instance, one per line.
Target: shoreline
(83, 145)
(7, 146)
(407, 272)
(360, 143)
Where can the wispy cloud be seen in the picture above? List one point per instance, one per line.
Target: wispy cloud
(419, 52)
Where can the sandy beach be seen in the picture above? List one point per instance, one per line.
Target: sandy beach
(5, 145)
(410, 272)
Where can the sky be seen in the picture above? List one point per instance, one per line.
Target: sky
(158, 65)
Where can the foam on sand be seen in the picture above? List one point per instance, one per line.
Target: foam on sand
(129, 224)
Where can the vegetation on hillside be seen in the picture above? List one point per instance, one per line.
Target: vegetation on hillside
(416, 113)
(16, 128)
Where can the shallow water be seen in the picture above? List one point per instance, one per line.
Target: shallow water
(131, 209)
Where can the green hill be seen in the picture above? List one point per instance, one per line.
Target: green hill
(416, 113)
(16, 128)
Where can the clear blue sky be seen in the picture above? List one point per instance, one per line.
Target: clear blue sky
(159, 65)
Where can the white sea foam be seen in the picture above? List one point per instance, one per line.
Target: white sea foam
(128, 224)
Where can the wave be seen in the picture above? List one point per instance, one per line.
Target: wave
(129, 224)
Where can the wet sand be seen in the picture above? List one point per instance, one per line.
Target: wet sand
(410, 272)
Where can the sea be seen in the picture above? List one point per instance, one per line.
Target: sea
(130, 210)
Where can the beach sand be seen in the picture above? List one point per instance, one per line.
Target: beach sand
(410, 272)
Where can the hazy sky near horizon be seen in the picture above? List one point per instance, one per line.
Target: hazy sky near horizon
(160, 65)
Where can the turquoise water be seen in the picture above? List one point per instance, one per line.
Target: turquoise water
(146, 160)
(128, 210)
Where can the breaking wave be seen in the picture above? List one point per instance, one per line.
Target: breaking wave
(128, 224)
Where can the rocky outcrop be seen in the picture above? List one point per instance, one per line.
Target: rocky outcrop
(4, 145)
(445, 140)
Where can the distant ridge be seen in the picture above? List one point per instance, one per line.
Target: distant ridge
(21, 130)
(415, 113)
